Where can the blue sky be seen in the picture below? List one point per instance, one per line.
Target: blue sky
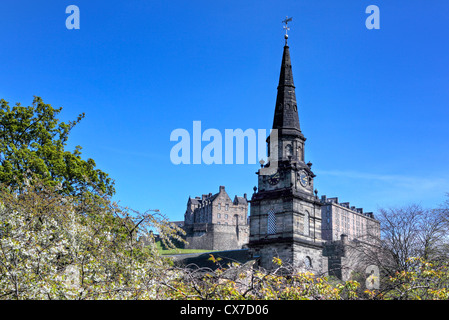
(373, 104)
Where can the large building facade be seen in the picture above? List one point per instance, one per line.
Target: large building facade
(216, 222)
(350, 236)
(342, 218)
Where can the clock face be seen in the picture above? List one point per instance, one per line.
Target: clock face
(303, 178)
(274, 179)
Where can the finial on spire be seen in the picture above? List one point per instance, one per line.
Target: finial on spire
(286, 21)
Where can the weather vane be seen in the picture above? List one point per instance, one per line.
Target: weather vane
(286, 21)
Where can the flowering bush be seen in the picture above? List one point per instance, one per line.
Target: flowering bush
(56, 247)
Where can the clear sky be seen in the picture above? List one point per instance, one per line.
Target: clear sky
(373, 104)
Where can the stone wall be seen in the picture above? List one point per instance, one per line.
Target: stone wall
(304, 256)
(216, 237)
(348, 257)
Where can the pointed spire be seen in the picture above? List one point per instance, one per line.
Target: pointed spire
(286, 118)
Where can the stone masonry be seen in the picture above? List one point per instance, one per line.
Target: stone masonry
(215, 222)
(287, 219)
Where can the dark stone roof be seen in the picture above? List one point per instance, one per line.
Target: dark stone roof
(195, 201)
(240, 200)
(286, 118)
(200, 201)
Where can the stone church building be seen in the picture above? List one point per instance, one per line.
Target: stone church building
(287, 219)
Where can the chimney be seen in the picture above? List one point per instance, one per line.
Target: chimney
(222, 188)
(244, 196)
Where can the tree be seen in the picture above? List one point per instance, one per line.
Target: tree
(33, 141)
(49, 251)
(247, 282)
(412, 232)
(425, 281)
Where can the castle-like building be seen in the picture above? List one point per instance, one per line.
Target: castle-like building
(215, 222)
(287, 219)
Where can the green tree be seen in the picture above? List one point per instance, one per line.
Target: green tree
(33, 141)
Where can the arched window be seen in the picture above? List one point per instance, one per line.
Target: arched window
(308, 262)
(271, 223)
(306, 223)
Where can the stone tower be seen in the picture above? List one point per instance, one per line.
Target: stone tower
(285, 215)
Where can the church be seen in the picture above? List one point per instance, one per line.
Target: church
(287, 219)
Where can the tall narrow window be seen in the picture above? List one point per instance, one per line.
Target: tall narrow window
(288, 150)
(306, 223)
(308, 262)
(299, 153)
(271, 223)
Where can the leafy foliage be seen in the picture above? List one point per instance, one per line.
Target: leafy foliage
(33, 140)
(426, 281)
(55, 244)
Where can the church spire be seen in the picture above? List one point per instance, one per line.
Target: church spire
(286, 118)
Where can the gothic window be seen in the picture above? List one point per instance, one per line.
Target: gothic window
(226, 216)
(227, 207)
(306, 223)
(271, 223)
(219, 206)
